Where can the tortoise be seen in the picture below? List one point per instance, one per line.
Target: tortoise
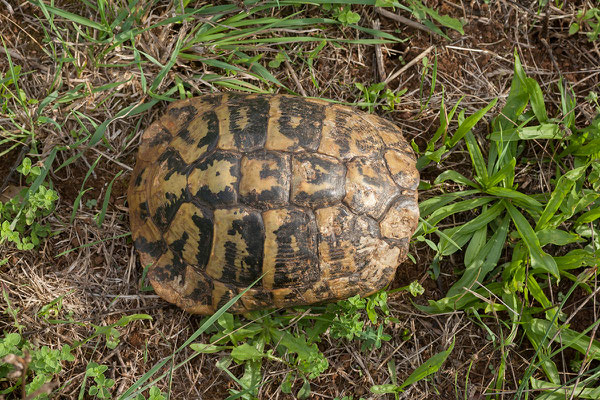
(313, 201)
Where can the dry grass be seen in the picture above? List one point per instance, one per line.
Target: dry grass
(99, 279)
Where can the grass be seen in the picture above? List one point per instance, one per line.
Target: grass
(503, 289)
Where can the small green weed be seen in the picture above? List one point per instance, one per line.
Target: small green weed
(20, 216)
(426, 14)
(101, 387)
(268, 337)
(588, 22)
(342, 13)
(22, 364)
(372, 96)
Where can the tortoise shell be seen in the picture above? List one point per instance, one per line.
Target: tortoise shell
(318, 199)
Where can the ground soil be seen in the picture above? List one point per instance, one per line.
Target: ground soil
(99, 277)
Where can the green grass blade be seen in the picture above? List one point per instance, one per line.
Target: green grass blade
(102, 214)
(429, 367)
(478, 269)
(557, 237)
(505, 173)
(455, 177)
(570, 338)
(560, 392)
(589, 216)
(537, 100)
(536, 291)
(479, 164)
(82, 191)
(469, 123)
(454, 208)
(74, 18)
(130, 110)
(139, 386)
(518, 197)
(562, 189)
(539, 259)
(542, 131)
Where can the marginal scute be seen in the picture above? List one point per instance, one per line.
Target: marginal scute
(317, 180)
(190, 234)
(237, 249)
(155, 141)
(167, 189)
(401, 220)
(369, 187)
(265, 181)
(180, 115)
(390, 134)
(214, 180)
(290, 254)
(401, 167)
(181, 284)
(198, 137)
(342, 250)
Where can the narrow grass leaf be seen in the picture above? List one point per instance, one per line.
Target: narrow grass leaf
(172, 60)
(542, 131)
(557, 237)
(537, 100)
(538, 337)
(539, 259)
(462, 300)
(429, 367)
(519, 197)
(474, 249)
(432, 365)
(536, 291)
(569, 338)
(563, 187)
(82, 191)
(130, 110)
(139, 386)
(102, 214)
(455, 177)
(482, 265)
(76, 19)
(576, 259)
(589, 216)
(477, 158)
(506, 172)
(454, 208)
(462, 233)
(560, 392)
(469, 123)
(517, 101)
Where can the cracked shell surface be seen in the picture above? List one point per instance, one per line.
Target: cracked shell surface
(309, 201)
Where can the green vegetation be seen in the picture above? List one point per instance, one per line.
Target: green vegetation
(21, 215)
(19, 360)
(563, 220)
(588, 21)
(527, 252)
